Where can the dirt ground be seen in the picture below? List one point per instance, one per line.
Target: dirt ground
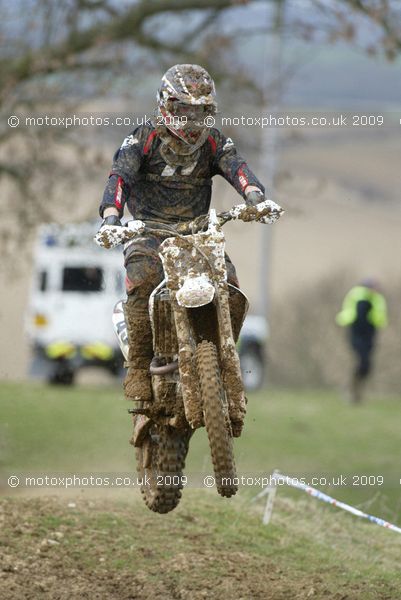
(46, 561)
(56, 548)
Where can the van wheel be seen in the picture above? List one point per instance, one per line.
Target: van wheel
(62, 375)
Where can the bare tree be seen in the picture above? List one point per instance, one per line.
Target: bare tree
(57, 53)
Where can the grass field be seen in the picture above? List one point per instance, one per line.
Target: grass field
(304, 434)
(110, 546)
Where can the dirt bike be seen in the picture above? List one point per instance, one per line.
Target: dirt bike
(196, 376)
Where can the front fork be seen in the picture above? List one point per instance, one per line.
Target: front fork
(190, 390)
(229, 362)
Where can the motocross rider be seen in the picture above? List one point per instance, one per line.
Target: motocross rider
(163, 172)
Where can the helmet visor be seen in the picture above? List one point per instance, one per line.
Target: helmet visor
(191, 114)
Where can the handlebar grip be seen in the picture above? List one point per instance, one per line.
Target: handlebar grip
(264, 212)
(111, 236)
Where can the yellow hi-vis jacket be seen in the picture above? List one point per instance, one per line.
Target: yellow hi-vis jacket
(377, 316)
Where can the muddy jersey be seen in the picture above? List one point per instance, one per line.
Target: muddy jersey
(158, 191)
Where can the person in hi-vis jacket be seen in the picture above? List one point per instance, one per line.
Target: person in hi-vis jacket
(363, 312)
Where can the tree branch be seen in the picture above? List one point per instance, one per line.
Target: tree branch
(123, 27)
(383, 18)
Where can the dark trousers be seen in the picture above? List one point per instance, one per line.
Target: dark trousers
(363, 347)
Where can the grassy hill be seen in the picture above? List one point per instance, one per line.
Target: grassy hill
(97, 543)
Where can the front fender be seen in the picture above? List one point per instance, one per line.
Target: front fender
(196, 291)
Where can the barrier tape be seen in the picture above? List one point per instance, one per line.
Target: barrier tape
(271, 492)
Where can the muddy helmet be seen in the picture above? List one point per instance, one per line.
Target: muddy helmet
(185, 98)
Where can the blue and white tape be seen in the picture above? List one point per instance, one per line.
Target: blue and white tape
(295, 483)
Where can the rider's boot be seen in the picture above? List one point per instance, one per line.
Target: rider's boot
(137, 384)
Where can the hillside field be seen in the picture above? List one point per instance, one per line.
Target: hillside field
(101, 543)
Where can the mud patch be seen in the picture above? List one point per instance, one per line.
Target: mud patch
(64, 549)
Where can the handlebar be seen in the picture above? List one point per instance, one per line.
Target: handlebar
(266, 212)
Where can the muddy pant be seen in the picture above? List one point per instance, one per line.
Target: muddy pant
(145, 271)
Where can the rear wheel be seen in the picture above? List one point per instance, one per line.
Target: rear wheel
(217, 422)
(160, 463)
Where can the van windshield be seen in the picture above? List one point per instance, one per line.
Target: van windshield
(82, 279)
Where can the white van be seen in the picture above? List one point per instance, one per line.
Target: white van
(75, 287)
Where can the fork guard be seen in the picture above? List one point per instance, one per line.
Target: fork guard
(231, 369)
(191, 394)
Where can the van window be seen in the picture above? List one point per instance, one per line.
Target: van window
(43, 281)
(82, 279)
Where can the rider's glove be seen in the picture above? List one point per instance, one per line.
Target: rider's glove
(253, 198)
(111, 220)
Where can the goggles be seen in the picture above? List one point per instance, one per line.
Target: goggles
(191, 113)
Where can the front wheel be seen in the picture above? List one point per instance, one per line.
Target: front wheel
(160, 463)
(217, 421)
